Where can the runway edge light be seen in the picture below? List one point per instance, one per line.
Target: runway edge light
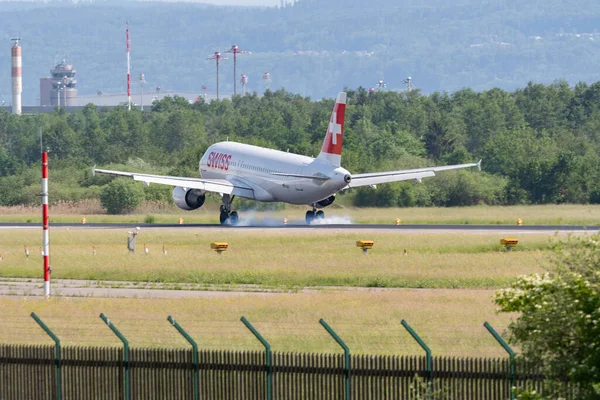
(365, 245)
(219, 247)
(509, 243)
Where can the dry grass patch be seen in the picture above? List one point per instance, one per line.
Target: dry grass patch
(450, 321)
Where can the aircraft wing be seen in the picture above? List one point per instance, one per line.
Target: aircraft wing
(222, 186)
(375, 178)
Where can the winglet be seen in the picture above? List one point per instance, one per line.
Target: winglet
(94, 170)
(479, 165)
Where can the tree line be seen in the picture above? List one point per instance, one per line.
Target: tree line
(540, 144)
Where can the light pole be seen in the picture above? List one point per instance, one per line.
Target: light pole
(60, 85)
(65, 89)
(142, 80)
(244, 82)
(235, 50)
(267, 78)
(217, 57)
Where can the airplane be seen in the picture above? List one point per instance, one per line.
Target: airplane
(235, 169)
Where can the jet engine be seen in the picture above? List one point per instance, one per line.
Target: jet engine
(188, 199)
(326, 202)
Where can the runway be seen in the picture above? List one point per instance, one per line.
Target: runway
(318, 227)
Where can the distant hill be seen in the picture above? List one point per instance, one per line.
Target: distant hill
(314, 47)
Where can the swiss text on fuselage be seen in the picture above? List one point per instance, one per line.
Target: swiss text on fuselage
(218, 160)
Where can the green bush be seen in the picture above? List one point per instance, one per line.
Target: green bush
(159, 193)
(121, 196)
(149, 219)
(557, 317)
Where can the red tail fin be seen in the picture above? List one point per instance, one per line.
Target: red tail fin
(332, 145)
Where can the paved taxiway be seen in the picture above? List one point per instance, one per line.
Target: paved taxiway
(348, 227)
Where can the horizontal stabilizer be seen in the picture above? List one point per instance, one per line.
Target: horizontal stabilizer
(374, 178)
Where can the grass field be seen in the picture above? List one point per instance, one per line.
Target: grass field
(275, 258)
(450, 321)
(458, 271)
(586, 215)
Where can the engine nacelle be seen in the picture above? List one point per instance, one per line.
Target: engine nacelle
(326, 202)
(188, 199)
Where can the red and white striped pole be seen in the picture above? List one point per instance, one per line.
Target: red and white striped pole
(46, 237)
(128, 66)
(17, 80)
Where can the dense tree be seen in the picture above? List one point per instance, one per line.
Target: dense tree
(525, 159)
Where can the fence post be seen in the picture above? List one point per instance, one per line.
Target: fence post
(511, 355)
(194, 355)
(427, 354)
(57, 360)
(125, 351)
(267, 353)
(346, 355)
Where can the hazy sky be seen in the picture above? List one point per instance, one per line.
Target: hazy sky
(269, 3)
(239, 2)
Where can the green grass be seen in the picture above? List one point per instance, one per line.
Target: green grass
(458, 271)
(272, 258)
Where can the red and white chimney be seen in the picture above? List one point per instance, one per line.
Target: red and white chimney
(17, 76)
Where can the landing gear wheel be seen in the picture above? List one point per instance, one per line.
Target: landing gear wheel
(320, 214)
(310, 216)
(234, 218)
(224, 218)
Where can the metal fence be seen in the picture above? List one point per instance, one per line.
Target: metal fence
(31, 372)
(55, 372)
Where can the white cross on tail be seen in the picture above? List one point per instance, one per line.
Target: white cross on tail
(334, 128)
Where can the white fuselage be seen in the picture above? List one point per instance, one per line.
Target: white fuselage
(257, 167)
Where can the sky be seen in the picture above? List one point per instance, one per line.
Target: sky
(269, 3)
(241, 2)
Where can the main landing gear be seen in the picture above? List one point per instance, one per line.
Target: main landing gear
(313, 215)
(228, 217)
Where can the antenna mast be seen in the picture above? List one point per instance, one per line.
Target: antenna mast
(128, 65)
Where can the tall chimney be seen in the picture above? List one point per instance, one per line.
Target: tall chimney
(17, 77)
